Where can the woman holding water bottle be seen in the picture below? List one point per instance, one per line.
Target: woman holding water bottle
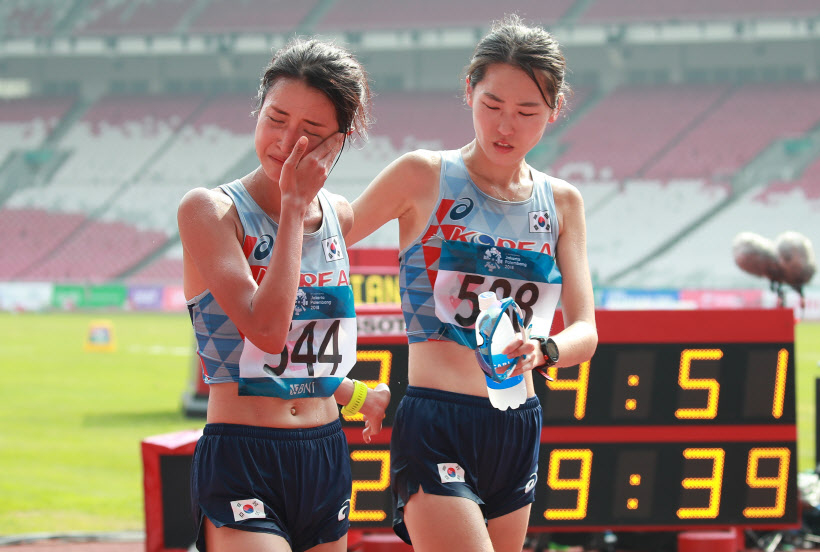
(474, 220)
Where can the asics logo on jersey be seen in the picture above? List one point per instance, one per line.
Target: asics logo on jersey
(343, 510)
(483, 239)
(461, 210)
(263, 248)
(531, 482)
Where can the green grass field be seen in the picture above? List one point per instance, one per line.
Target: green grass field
(71, 421)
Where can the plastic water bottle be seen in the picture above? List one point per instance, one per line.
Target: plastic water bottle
(494, 331)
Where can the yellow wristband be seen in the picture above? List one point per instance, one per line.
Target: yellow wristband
(356, 400)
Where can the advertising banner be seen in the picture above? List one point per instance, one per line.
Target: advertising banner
(640, 299)
(25, 296)
(70, 296)
(145, 297)
(721, 298)
(173, 299)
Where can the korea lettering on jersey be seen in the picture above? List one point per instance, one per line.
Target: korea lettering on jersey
(467, 269)
(321, 344)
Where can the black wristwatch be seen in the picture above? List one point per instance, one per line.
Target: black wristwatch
(549, 349)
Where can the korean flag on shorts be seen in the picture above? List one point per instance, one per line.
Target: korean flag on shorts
(450, 472)
(333, 251)
(540, 222)
(248, 508)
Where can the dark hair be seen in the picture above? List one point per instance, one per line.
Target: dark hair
(531, 49)
(329, 69)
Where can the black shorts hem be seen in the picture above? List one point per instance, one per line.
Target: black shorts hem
(399, 526)
(510, 508)
(244, 526)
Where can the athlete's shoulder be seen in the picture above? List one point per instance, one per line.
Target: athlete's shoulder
(565, 194)
(204, 202)
(337, 200)
(419, 162)
(344, 212)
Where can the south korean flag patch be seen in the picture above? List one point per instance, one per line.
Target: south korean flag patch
(246, 509)
(333, 251)
(450, 472)
(540, 222)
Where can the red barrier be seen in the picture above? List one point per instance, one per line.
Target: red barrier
(166, 463)
(708, 541)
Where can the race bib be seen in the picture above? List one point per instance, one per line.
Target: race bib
(467, 269)
(319, 353)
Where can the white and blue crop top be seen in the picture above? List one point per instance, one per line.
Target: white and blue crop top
(321, 345)
(474, 243)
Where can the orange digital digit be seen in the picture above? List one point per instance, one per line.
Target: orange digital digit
(710, 385)
(778, 482)
(578, 385)
(380, 484)
(580, 485)
(713, 483)
(385, 360)
(780, 383)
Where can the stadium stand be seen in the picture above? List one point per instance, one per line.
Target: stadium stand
(359, 15)
(808, 184)
(29, 233)
(106, 17)
(403, 122)
(96, 252)
(108, 147)
(251, 15)
(608, 11)
(641, 216)
(669, 163)
(733, 133)
(25, 123)
(198, 154)
(633, 124)
(20, 18)
(704, 258)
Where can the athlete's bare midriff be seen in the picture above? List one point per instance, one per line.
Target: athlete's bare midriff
(451, 367)
(225, 406)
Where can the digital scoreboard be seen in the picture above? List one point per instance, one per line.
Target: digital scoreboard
(681, 420)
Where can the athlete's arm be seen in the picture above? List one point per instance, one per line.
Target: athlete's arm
(373, 408)
(579, 338)
(211, 237)
(406, 190)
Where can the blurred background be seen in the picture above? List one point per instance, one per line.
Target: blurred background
(690, 122)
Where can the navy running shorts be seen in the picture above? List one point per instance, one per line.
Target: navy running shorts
(460, 445)
(294, 483)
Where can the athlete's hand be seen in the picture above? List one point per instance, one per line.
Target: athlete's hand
(304, 174)
(373, 410)
(529, 352)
